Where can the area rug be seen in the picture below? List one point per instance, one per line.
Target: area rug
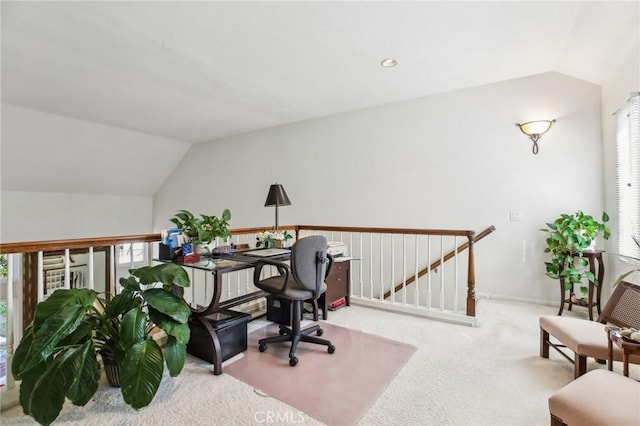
(336, 389)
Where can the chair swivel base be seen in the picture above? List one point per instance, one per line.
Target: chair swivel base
(296, 335)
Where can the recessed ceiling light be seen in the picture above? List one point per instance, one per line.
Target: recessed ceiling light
(389, 63)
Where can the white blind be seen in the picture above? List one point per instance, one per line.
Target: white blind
(628, 176)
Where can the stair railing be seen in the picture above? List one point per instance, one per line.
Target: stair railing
(382, 254)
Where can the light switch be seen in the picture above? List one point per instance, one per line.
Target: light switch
(515, 215)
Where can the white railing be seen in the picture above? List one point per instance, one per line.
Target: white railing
(403, 270)
(425, 272)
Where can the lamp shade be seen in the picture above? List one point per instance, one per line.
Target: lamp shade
(277, 196)
(538, 127)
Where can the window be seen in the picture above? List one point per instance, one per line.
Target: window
(129, 251)
(628, 176)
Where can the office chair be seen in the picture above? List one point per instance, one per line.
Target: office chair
(303, 280)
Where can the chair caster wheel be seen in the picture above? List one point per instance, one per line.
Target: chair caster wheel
(262, 348)
(282, 332)
(331, 349)
(319, 332)
(293, 361)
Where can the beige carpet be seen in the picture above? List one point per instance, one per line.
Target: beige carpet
(487, 375)
(334, 388)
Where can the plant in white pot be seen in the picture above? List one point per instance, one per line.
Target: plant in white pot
(204, 229)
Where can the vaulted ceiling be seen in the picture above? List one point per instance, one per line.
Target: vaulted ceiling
(197, 71)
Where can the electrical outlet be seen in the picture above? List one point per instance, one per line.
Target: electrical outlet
(515, 215)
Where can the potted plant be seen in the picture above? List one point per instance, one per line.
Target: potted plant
(272, 238)
(568, 236)
(203, 229)
(58, 356)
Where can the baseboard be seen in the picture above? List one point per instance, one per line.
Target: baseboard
(507, 298)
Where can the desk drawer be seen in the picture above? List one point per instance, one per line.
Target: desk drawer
(337, 282)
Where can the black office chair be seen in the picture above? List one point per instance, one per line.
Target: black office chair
(303, 280)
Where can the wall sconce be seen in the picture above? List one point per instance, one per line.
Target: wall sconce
(277, 197)
(535, 129)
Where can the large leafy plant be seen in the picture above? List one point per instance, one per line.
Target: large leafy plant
(57, 357)
(205, 228)
(568, 236)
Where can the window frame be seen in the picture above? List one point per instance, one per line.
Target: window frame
(627, 176)
(132, 260)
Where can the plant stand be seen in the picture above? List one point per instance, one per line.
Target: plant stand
(596, 266)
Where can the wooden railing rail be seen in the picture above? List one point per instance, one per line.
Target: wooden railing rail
(54, 245)
(462, 247)
(399, 231)
(77, 243)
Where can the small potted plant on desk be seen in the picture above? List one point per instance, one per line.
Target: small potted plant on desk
(568, 237)
(270, 239)
(201, 231)
(57, 357)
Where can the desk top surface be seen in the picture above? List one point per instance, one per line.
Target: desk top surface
(232, 261)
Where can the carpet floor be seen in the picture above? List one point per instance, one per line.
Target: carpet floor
(486, 375)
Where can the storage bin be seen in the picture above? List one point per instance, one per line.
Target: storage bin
(231, 328)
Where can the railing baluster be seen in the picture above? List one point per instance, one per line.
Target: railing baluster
(429, 301)
(360, 265)
(40, 276)
(404, 269)
(442, 272)
(417, 301)
(67, 270)
(12, 336)
(381, 267)
(112, 287)
(455, 275)
(92, 280)
(370, 265)
(393, 270)
(350, 269)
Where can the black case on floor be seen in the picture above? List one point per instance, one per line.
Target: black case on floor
(231, 328)
(279, 310)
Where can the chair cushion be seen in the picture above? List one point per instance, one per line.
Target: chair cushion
(293, 291)
(583, 337)
(599, 397)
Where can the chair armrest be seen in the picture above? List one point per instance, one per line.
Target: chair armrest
(326, 274)
(283, 270)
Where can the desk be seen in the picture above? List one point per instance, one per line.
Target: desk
(338, 286)
(628, 347)
(596, 266)
(219, 264)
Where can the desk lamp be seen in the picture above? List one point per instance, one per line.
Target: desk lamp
(277, 197)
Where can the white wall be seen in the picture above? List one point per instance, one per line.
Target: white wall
(60, 176)
(39, 216)
(453, 160)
